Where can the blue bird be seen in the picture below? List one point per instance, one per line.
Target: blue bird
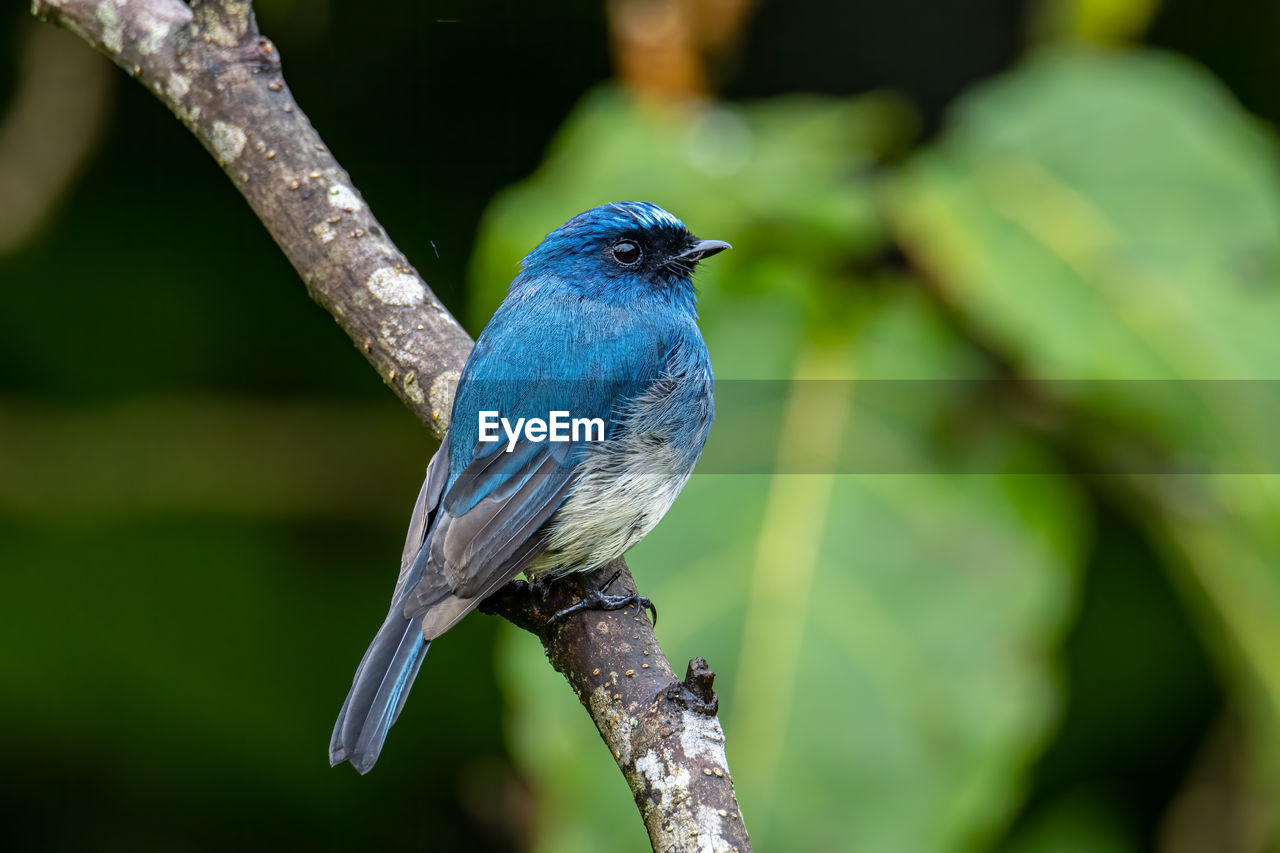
(600, 325)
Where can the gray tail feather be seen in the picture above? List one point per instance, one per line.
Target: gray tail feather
(378, 692)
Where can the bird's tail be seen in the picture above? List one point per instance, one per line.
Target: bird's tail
(378, 692)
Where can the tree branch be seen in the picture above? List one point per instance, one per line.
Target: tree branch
(210, 66)
(663, 732)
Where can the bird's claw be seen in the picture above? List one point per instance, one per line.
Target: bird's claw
(598, 599)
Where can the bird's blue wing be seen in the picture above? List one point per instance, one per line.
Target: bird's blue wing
(488, 522)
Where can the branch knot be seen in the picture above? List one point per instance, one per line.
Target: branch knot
(695, 691)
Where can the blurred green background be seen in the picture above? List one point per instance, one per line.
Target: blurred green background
(203, 486)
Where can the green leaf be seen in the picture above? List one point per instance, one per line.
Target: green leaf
(1114, 218)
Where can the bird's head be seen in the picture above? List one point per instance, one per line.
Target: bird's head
(620, 251)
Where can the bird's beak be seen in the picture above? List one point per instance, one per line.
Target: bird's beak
(703, 249)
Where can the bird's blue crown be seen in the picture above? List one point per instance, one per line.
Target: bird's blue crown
(606, 222)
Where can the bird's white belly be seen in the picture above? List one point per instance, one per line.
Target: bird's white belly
(623, 491)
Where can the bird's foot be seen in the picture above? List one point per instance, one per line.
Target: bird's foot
(598, 599)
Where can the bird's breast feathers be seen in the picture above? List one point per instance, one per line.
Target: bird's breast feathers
(624, 486)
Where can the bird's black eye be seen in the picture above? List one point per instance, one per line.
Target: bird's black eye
(626, 253)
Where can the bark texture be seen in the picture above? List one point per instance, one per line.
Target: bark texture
(211, 67)
(663, 731)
